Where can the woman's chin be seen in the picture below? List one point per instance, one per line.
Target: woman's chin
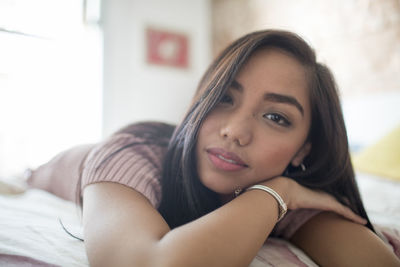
(219, 189)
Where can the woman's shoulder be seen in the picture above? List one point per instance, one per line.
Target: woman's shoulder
(144, 140)
(131, 156)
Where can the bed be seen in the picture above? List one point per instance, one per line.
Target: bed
(34, 225)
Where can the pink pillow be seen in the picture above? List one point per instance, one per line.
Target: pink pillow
(61, 174)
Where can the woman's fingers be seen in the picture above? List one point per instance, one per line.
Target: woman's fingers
(349, 214)
(303, 197)
(297, 196)
(327, 202)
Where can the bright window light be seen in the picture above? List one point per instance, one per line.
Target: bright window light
(50, 81)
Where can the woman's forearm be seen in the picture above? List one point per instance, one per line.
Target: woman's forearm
(123, 229)
(229, 236)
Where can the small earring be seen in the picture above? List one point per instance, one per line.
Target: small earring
(238, 191)
(303, 167)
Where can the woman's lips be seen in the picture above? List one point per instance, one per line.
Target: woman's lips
(225, 160)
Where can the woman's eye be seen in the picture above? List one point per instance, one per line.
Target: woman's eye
(278, 119)
(226, 99)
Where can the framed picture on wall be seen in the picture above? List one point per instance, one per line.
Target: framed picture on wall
(167, 48)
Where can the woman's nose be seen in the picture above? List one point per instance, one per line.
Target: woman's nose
(237, 129)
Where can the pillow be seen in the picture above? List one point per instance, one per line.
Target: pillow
(382, 158)
(61, 174)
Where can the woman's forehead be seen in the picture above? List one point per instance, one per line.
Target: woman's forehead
(271, 71)
(272, 66)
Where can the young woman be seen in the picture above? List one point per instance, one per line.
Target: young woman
(265, 133)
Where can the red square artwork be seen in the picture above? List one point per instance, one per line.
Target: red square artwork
(167, 48)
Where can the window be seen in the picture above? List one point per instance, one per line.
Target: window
(50, 80)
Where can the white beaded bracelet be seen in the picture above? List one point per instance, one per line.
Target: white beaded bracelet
(281, 203)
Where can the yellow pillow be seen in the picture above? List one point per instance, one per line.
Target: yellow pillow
(382, 158)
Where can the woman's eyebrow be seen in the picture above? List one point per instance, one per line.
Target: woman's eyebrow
(284, 99)
(273, 97)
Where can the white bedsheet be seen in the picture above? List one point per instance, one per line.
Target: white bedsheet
(381, 198)
(29, 226)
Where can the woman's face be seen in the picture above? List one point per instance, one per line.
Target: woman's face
(259, 127)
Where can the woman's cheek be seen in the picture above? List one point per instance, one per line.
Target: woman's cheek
(209, 125)
(275, 161)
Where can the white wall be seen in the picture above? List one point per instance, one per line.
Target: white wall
(134, 90)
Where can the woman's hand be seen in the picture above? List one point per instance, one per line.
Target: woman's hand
(297, 196)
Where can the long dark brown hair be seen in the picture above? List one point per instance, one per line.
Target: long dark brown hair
(185, 198)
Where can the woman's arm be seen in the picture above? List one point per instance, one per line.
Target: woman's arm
(121, 228)
(331, 240)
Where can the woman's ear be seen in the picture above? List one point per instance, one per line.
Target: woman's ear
(301, 154)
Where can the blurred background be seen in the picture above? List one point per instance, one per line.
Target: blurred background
(74, 71)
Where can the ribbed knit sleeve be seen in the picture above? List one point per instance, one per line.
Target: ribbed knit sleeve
(128, 160)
